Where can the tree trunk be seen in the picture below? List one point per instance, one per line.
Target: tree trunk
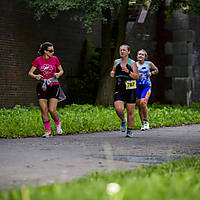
(106, 84)
(122, 21)
(105, 90)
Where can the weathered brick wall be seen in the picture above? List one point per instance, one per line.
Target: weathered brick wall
(195, 25)
(174, 47)
(20, 37)
(185, 68)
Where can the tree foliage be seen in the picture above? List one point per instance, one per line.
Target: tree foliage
(187, 6)
(88, 11)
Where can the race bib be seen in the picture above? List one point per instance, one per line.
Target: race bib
(130, 84)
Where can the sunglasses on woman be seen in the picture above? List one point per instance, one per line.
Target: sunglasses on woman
(51, 51)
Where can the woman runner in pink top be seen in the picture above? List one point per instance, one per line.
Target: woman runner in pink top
(48, 88)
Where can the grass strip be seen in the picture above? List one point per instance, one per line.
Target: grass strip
(177, 180)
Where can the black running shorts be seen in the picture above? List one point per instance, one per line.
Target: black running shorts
(51, 91)
(128, 96)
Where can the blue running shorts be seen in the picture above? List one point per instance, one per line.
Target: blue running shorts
(143, 93)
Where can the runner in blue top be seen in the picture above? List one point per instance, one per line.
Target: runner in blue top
(126, 73)
(146, 70)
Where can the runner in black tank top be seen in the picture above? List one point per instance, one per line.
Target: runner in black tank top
(125, 88)
(126, 73)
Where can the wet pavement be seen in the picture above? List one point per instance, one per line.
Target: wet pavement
(139, 159)
(40, 161)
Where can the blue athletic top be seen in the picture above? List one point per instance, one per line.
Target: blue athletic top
(144, 80)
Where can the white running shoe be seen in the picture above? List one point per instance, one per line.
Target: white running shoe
(146, 125)
(47, 134)
(59, 130)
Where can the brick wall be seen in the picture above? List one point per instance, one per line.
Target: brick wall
(173, 45)
(195, 25)
(20, 37)
(183, 51)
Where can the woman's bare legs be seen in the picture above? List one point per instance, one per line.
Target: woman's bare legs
(130, 114)
(119, 107)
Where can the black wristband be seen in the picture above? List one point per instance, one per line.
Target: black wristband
(129, 71)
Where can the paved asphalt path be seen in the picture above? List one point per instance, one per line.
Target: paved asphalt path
(40, 161)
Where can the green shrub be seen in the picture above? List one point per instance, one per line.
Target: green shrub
(26, 121)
